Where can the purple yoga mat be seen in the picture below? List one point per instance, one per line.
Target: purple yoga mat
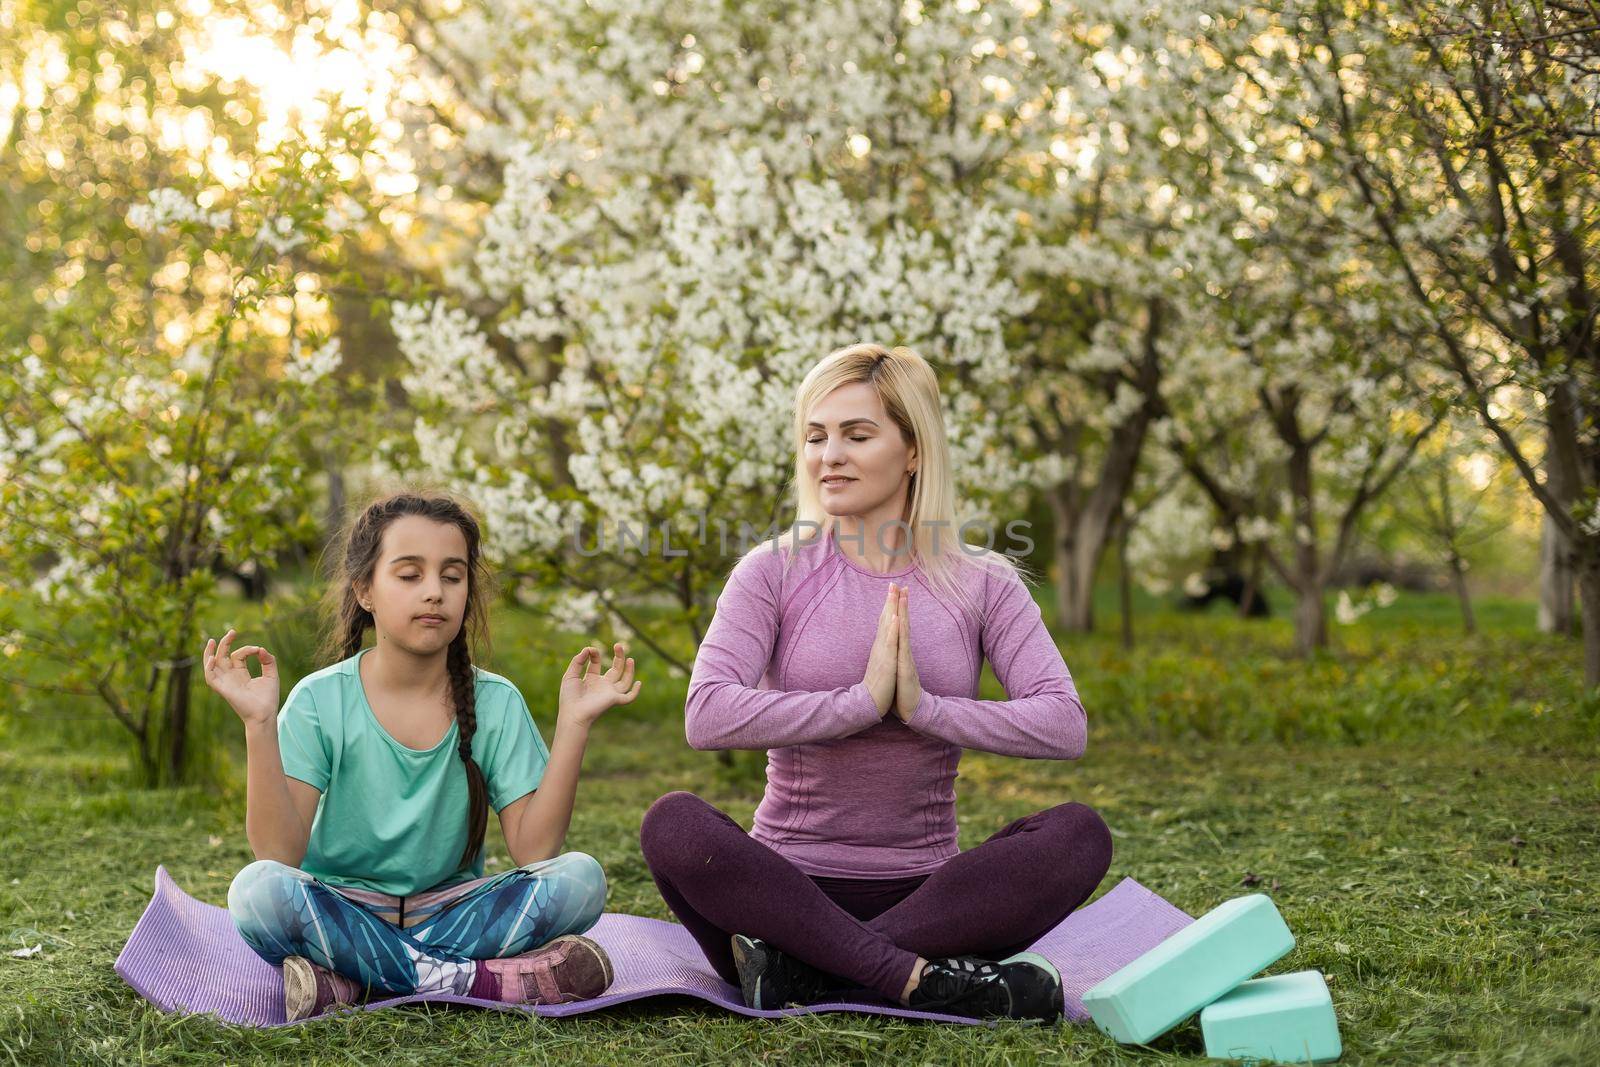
(186, 956)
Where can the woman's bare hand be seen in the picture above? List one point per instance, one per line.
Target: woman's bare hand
(907, 686)
(882, 665)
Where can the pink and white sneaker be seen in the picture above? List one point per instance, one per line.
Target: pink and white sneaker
(566, 969)
(310, 989)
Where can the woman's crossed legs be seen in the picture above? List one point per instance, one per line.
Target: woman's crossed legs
(989, 901)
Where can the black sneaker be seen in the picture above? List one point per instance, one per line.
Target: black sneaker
(771, 979)
(1024, 986)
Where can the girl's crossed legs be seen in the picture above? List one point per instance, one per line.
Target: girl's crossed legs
(282, 911)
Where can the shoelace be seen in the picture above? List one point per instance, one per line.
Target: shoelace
(952, 982)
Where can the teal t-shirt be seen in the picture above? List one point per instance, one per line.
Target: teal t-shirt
(393, 819)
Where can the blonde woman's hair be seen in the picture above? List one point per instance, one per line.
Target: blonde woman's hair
(910, 393)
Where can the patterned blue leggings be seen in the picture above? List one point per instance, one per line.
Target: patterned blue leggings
(425, 943)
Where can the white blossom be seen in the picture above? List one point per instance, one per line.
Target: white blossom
(165, 207)
(437, 447)
(308, 368)
(344, 213)
(450, 359)
(281, 236)
(575, 612)
(1347, 611)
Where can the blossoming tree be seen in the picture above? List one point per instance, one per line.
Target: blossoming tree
(1313, 403)
(149, 440)
(700, 200)
(1469, 136)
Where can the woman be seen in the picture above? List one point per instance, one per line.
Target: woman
(852, 875)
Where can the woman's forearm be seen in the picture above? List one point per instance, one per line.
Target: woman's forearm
(725, 714)
(271, 823)
(1048, 725)
(542, 831)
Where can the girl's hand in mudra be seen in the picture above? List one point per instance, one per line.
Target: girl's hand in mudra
(253, 699)
(907, 687)
(586, 693)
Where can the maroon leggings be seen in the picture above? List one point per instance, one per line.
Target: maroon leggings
(989, 901)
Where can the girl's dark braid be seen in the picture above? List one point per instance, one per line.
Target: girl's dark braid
(463, 688)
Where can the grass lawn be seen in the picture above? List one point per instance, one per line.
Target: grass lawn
(1424, 808)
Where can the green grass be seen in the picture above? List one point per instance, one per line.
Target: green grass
(1434, 846)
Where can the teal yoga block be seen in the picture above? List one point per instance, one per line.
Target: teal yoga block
(1190, 969)
(1287, 1018)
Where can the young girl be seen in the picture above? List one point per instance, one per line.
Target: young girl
(367, 794)
(854, 660)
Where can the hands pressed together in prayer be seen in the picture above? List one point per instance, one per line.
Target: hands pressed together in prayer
(891, 672)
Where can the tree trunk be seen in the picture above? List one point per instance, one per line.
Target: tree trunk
(1310, 619)
(1086, 524)
(147, 760)
(1555, 582)
(1310, 615)
(1124, 585)
(1252, 583)
(1074, 594)
(175, 727)
(1588, 567)
(1458, 577)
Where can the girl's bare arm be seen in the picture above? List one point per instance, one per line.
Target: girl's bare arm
(278, 809)
(536, 825)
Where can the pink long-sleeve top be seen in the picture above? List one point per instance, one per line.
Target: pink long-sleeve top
(850, 794)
